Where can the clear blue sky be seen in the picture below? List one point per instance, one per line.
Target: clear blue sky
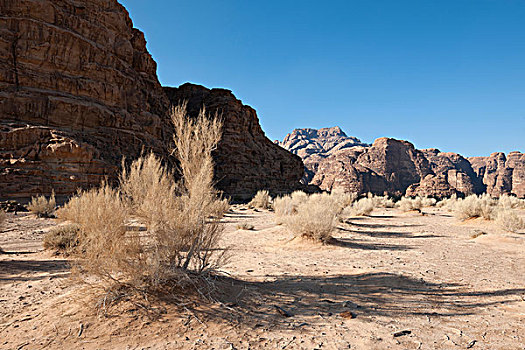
(444, 73)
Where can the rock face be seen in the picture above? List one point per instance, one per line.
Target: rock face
(501, 174)
(314, 145)
(79, 91)
(246, 160)
(395, 167)
(388, 166)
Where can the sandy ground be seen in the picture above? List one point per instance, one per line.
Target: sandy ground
(393, 281)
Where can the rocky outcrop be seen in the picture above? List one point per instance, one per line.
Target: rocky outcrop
(453, 174)
(314, 145)
(78, 91)
(245, 159)
(388, 166)
(395, 167)
(501, 174)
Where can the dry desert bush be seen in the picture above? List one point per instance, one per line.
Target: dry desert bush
(362, 207)
(261, 200)
(179, 245)
(62, 238)
(410, 204)
(315, 218)
(43, 207)
(287, 205)
(475, 206)
(511, 202)
(509, 220)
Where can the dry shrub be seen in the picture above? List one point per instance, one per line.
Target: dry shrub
(428, 202)
(362, 207)
(448, 203)
(344, 199)
(473, 207)
(261, 200)
(179, 245)
(410, 204)
(511, 202)
(63, 238)
(245, 226)
(287, 205)
(43, 207)
(383, 202)
(315, 218)
(509, 220)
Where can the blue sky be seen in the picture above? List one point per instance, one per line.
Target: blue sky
(448, 74)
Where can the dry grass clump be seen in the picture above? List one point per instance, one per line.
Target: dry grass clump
(179, 245)
(473, 207)
(245, 226)
(344, 199)
(62, 238)
(362, 207)
(410, 204)
(383, 202)
(448, 203)
(43, 207)
(509, 220)
(261, 200)
(314, 218)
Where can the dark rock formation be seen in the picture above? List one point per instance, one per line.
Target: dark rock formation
(79, 91)
(314, 145)
(246, 160)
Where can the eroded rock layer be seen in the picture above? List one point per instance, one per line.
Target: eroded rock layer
(78, 91)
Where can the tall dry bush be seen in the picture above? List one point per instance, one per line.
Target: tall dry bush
(261, 200)
(43, 207)
(181, 218)
(509, 220)
(314, 218)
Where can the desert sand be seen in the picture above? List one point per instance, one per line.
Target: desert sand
(391, 281)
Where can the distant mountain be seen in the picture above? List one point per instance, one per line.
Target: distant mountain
(395, 167)
(313, 145)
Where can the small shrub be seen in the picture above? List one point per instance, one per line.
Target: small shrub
(410, 204)
(362, 207)
(43, 207)
(245, 226)
(63, 238)
(511, 202)
(283, 206)
(261, 200)
(428, 202)
(448, 204)
(3, 217)
(383, 202)
(509, 220)
(344, 199)
(315, 218)
(474, 207)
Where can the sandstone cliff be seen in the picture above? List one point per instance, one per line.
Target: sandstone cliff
(501, 174)
(79, 91)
